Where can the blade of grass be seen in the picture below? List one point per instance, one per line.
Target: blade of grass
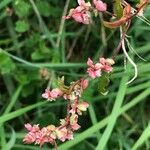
(87, 133)
(2, 136)
(128, 91)
(94, 119)
(49, 65)
(114, 114)
(144, 136)
(12, 140)
(13, 100)
(19, 112)
(27, 147)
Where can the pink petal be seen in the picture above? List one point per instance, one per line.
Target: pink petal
(81, 2)
(28, 126)
(77, 17)
(83, 106)
(75, 126)
(84, 83)
(90, 62)
(100, 6)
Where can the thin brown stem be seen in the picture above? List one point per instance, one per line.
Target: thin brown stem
(55, 144)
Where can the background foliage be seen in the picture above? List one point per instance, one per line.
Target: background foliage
(36, 48)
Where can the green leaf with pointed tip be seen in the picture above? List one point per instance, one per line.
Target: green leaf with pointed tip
(103, 82)
(61, 84)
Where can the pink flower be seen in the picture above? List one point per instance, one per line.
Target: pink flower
(106, 63)
(64, 134)
(31, 128)
(81, 13)
(47, 94)
(82, 106)
(73, 108)
(52, 95)
(29, 138)
(55, 93)
(94, 70)
(73, 122)
(84, 83)
(39, 136)
(100, 6)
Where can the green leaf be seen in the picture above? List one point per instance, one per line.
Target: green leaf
(103, 82)
(118, 9)
(6, 64)
(42, 52)
(21, 26)
(44, 8)
(22, 8)
(37, 55)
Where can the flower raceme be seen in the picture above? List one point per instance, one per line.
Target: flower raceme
(75, 107)
(82, 13)
(68, 125)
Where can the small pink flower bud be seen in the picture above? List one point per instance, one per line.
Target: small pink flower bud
(100, 6)
(84, 83)
(90, 62)
(55, 93)
(98, 66)
(29, 138)
(46, 95)
(51, 127)
(28, 127)
(73, 122)
(52, 95)
(83, 106)
(61, 134)
(106, 64)
(110, 61)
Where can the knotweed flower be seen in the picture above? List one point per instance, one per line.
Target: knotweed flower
(106, 64)
(53, 94)
(94, 70)
(99, 5)
(81, 13)
(39, 136)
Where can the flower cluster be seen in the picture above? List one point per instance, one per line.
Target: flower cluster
(53, 94)
(95, 70)
(82, 13)
(75, 107)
